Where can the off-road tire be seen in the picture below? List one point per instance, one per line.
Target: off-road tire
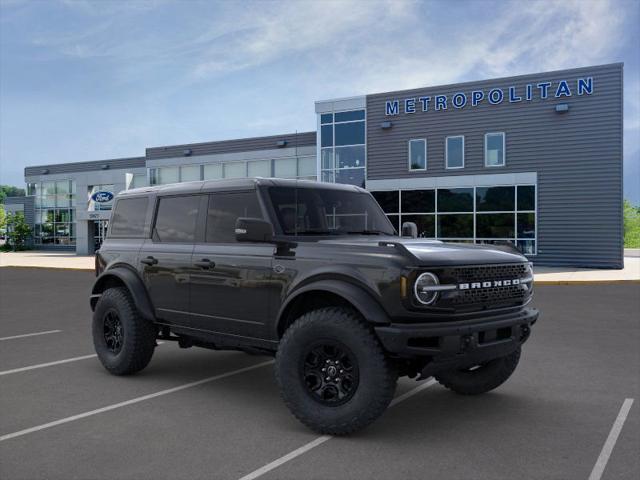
(377, 377)
(482, 379)
(138, 334)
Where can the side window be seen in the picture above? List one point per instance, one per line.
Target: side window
(224, 210)
(176, 219)
(128, 217)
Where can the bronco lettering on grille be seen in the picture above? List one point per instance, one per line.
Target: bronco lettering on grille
(488, 284)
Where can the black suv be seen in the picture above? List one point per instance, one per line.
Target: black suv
(316, 275)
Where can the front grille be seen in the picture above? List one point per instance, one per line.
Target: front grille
(487, 297)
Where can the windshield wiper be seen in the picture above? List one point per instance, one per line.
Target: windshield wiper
(366, 232)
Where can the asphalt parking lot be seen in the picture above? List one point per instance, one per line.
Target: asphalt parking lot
(217, 415)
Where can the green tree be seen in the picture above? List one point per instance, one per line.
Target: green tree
(10, 191)
(17, 231)
(631, 225)
(3, 217)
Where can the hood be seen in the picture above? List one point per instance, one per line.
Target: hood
(434, 252)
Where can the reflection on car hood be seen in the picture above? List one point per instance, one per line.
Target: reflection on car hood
(433, 252)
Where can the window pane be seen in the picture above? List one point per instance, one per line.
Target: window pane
(190, 173)
(389, 201)
(395, 221)
(528, 247)
(455, 226)
(224, 210)
(352, 176)
(176, 219)
(349, 116)
(494, 151)
(349, 133)
(307, 167)
(328, 176)
(426, 224)
(327, 158)
(326, 118)
(213, 171)
(62, 187)
(527, 197)
(285, 167)
(128, 218)
(349, 157)
(495, 225)
(417, 154)
(235, 170)
(167, 175)
(455, 152)
(139, 180)
(326, 132)
(526, 225)
(495, 199)
(418, 201)
(455, 200)
(260, 168)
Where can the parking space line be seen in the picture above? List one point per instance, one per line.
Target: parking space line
(30, 335)
(603, 458)
(325, 438)
(48, 364)
(131, 401)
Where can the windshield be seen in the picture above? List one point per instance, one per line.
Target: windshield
(325, 211)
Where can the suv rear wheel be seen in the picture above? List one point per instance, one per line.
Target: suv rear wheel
(481, 378)
(124, 341)
(332, 372)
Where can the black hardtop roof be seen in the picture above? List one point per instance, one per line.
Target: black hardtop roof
(231, 184)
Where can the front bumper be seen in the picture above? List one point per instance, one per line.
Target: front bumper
(452, 345)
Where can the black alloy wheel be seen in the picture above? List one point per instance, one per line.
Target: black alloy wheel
(330, 373)
(113, 331)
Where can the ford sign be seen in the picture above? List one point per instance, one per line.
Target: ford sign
(102, 197)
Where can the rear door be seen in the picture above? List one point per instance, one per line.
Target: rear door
(232, 291)
(166, 257)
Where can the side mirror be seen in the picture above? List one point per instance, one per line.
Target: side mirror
(254, 230)
(409, 229)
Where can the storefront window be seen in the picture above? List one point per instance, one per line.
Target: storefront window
(54, 214)
(343, 147)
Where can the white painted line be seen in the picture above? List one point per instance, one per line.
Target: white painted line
(130, 402)
(50, 364)
(325, 438)
(601, 463)
(30, 335)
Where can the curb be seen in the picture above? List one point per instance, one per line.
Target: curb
(72, 269)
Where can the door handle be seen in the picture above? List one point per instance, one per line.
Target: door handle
(149, 261)
(205, 263)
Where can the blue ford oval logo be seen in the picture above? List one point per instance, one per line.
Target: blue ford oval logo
(102, 197)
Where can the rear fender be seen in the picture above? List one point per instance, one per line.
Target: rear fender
(131, 280)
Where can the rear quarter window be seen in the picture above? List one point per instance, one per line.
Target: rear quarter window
(128, 217)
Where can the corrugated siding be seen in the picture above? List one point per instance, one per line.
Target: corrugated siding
(115, 164)
(577, 155)
(232, 146)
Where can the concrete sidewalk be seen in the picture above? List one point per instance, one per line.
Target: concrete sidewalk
(543, 275)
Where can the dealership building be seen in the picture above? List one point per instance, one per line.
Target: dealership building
(532, 160)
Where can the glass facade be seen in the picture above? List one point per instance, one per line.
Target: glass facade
(343, 147)
(54, 212)
(492, 214)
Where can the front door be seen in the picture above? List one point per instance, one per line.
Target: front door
(166, 257)
(232, 291)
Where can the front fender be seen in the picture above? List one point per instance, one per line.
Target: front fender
(134, 284)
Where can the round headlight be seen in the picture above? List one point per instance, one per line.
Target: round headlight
(423, 288)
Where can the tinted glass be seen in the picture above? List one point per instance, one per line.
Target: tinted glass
(224, 209)
(348, 134)
(349, 157)
(320, 211)
(176, 219)
(455, 152)
(326, 118)
(455, 226)
(395, 221)
(526, 225)
(528, 247)
(259, 168)
(190, 173)
(349, 116)
(494, 151)
(417, 154)
(426, 224)
(495, 225)
(527, 197)
(389, 201)
(495, 199)
(418, 201)
(327, 135)
(455, 200)
(128, 218)
(235, 170)
(353, 176)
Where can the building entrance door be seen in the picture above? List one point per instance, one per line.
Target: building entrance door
(99, 232)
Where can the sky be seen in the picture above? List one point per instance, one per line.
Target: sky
(89, 80)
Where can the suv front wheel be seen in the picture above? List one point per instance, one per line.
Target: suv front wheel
(124, 341)
(332, 372)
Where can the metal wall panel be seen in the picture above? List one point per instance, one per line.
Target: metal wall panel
(577, 155)
(111, 164)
